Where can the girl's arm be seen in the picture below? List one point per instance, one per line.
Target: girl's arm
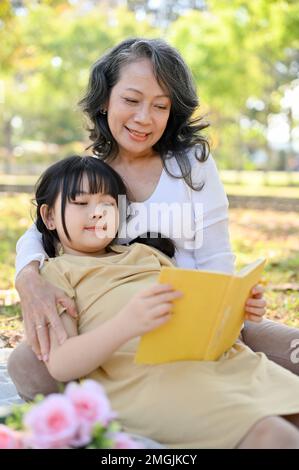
(81, 354)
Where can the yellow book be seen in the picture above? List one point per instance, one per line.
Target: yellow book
(206, 320)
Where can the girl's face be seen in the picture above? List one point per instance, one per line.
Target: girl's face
(138, 109)
(91, 221)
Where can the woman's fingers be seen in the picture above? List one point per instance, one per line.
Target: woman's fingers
(257, 303)
(44, 341)
(257, 291)
(68, 304)
(33, 341)
(255, 311)
(56, 323)
(254, 318)
(31, 336)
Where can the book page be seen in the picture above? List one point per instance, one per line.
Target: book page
(233, 309)
(251, 267)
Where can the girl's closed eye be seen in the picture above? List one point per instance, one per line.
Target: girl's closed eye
(109, 204)
(78, 202)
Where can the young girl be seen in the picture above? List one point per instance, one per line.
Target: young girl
(241, 400)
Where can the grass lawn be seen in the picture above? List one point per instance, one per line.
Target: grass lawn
(254, 233)
(255, 190)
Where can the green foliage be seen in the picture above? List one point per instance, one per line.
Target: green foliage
(101, 437)
(47, 60)
(15, 418)
(15, 218)
(233, 49)
(238, 51)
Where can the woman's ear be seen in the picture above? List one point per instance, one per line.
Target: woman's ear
(47, 216)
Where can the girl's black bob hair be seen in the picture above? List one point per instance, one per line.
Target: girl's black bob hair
(66, 177)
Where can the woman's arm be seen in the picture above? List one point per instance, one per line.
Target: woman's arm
(213, 251)
(39, 300)
(38, 297)
(212, 242)
(29, 248)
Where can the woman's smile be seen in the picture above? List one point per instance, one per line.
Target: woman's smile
(137, 135)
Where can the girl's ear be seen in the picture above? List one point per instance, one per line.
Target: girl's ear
(47, 216)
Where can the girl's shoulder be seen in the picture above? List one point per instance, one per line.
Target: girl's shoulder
(57, 265)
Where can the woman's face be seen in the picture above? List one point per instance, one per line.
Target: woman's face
(138, 109)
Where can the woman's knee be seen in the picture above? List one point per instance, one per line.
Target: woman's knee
(29, 375)
(272, 432)
(279, 342)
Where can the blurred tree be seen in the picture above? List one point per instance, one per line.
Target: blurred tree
(233, 49)
(164, 12)
(244, 56)
(49, 54)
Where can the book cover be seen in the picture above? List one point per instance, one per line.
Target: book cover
(206, 320)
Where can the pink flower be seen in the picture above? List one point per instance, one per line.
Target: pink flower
(123, 441)
(82, 436)
(9, 439)
(90, 403)
(53, 423)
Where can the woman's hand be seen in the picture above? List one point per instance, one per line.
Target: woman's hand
(255, 307)
(38, 302)
(148, 310)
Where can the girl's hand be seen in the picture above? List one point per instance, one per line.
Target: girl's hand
(255, 307)
(38, 302)
(148, 310)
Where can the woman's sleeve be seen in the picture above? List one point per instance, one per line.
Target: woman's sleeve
(30, 248)
(212, 243)
(215, 253)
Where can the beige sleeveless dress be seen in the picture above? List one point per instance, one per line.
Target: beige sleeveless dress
(188, 404)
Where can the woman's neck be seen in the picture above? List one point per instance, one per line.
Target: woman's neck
(126, 158)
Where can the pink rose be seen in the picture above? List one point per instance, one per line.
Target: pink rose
(82, 436)
(53, 423)
(90, 403)
(123, 441)
(9, 439)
